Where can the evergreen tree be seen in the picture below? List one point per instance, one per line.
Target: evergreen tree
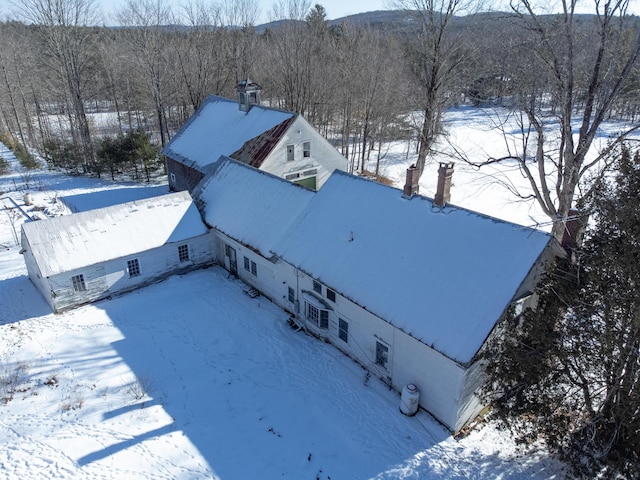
(569, 372)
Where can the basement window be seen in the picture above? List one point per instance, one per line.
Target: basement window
(78, 283)
(183, 253)
(133, 267)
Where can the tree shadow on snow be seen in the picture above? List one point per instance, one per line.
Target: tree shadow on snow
(260, 400)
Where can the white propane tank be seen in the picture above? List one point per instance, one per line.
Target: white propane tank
(27, 199)
(409, 399)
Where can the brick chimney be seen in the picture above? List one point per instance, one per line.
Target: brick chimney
(248, 95)
(574, 228)
(411, 186)
(443, 190)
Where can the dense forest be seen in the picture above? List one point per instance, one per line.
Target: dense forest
(356, 79)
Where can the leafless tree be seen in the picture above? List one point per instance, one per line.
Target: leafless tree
(146, 36)
(574, 77)
(62, 27)
(436, 54)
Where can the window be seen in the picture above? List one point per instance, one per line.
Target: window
(382, 355)
(291, 153)
(317, 287)
(343, 330)
(250, 266)
(292, 295)
(331, 295)
(78, 283)
(306, 149)
(133, 267)
(183, 253)
(317, 316)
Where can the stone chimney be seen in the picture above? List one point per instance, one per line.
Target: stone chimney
(443, 190)
(411, 186)
(248, 95)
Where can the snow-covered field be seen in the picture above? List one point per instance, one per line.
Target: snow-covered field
(190, 378)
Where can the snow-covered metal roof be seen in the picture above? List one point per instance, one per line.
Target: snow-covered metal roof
(442, 274)
(249, 205)
(220, 128)
(73, 241)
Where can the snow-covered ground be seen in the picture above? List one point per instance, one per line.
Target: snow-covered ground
(190, 378)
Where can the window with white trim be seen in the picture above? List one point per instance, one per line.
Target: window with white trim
(133, 267)
(292, 295)
(343, 330)
(306, 149)
(331, 295)
(78, 283)
(183, 253)
(318, 316)
(382, 355)
(250, 266)
(317, 287)
(291, 153)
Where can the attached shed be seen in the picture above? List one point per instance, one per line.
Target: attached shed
(276, 141)
(79, 258)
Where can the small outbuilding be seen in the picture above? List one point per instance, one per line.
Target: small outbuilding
(79, 258)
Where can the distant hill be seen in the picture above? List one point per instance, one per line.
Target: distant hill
(387, 19)
(402, 21)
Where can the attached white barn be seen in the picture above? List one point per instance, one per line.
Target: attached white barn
(75, 259)
(409, 289)
(276, 141)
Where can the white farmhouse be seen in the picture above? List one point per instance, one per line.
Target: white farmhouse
(279, 142)
(80, 258)
(408, 288)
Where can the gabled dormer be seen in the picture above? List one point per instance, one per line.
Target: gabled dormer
(248, 95)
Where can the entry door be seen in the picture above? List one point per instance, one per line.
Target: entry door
(233, 261)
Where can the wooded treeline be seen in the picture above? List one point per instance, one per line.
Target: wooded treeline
(356, 83)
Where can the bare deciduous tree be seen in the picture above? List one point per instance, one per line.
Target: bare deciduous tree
(575, 75)
(146, 38)
(436, 55)
(62, 26)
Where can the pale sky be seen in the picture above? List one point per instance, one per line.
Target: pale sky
(334, 8)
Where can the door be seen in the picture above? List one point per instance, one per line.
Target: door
(233, 261)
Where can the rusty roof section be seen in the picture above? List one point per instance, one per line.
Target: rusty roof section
(254, 151)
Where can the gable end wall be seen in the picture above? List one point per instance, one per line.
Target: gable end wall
(182, 177)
